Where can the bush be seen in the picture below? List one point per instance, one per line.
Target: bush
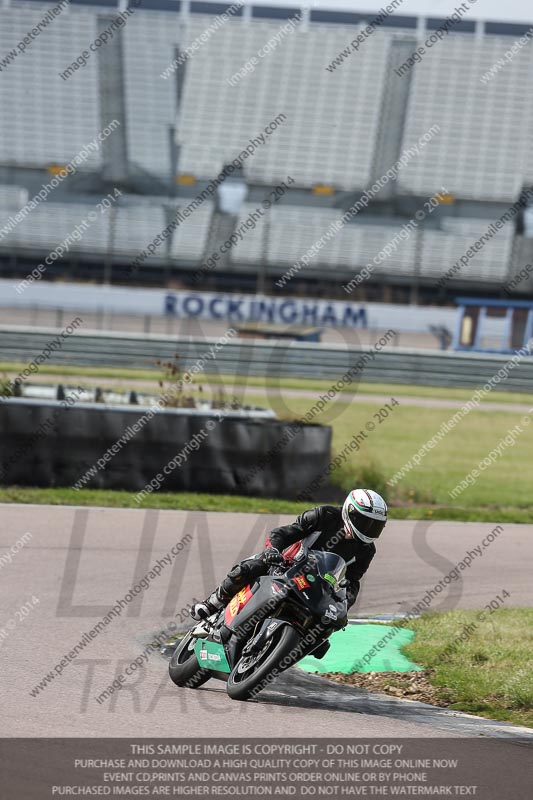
(365, 473)
(6, 387)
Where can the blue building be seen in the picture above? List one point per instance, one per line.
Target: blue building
(492, 326)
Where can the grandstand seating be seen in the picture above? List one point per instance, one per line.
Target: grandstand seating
(44, 128)
(332, 117)
(441, 249)
(149, 44)
(327, 137)
(293, 231)
(485, 141)
(50, 223)
(45, 119)
(12, 196)
(190, 237)
(331, 135)
(135, 227)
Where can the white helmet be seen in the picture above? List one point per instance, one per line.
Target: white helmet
(364, 514)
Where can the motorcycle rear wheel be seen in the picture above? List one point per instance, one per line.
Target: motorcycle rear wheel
(183, 668)
(254, 672)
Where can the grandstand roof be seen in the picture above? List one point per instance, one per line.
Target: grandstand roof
(483, 302)
(512, 17)
(510, 11)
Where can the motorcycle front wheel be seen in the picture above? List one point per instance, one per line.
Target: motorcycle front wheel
(252, 673)
(183, 668)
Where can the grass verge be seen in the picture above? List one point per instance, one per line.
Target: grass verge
(490, 673)
(182, 501)
(189, 501)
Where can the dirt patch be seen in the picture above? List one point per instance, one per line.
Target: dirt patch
(409, 685)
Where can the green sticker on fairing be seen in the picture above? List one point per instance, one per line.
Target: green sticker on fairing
(211, 655)
(331, 579)
(310, 578)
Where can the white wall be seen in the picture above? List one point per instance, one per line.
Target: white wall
(117, 300)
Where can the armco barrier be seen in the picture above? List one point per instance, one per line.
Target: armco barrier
(268, 358)
(227, 460)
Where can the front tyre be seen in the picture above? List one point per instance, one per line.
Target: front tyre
(183, 668)
(252, 673)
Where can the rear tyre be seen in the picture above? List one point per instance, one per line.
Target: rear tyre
(183, 668)
(254, 672)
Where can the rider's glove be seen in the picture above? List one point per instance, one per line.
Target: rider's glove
(272, 557)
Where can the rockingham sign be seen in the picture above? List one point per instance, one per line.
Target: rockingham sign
(253, 308)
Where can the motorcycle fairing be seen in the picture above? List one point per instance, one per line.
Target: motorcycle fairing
(237, 603)
(267, 630)
(261, 603)
(270, 591)
(211, 655)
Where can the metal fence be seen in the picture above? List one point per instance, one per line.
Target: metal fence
(265, 358)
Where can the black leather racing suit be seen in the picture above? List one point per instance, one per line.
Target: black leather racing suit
(327, 520)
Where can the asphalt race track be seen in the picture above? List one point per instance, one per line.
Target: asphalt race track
(79, 562)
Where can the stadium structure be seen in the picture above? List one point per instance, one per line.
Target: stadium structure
(353, 139)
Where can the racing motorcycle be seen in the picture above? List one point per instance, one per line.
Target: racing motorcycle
(268, 626)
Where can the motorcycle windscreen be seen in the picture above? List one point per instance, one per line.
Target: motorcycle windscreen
(331, 567)
(309, 586)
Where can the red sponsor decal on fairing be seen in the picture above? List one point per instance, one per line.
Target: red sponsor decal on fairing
(237, 603)
(301, 582)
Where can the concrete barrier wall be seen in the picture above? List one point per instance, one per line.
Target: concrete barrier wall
(46, 444)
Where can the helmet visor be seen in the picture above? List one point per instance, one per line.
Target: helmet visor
(367, 526)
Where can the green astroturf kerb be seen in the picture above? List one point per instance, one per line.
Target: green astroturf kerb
(364, 648)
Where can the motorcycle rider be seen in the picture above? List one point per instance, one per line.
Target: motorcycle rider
(349, 531)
